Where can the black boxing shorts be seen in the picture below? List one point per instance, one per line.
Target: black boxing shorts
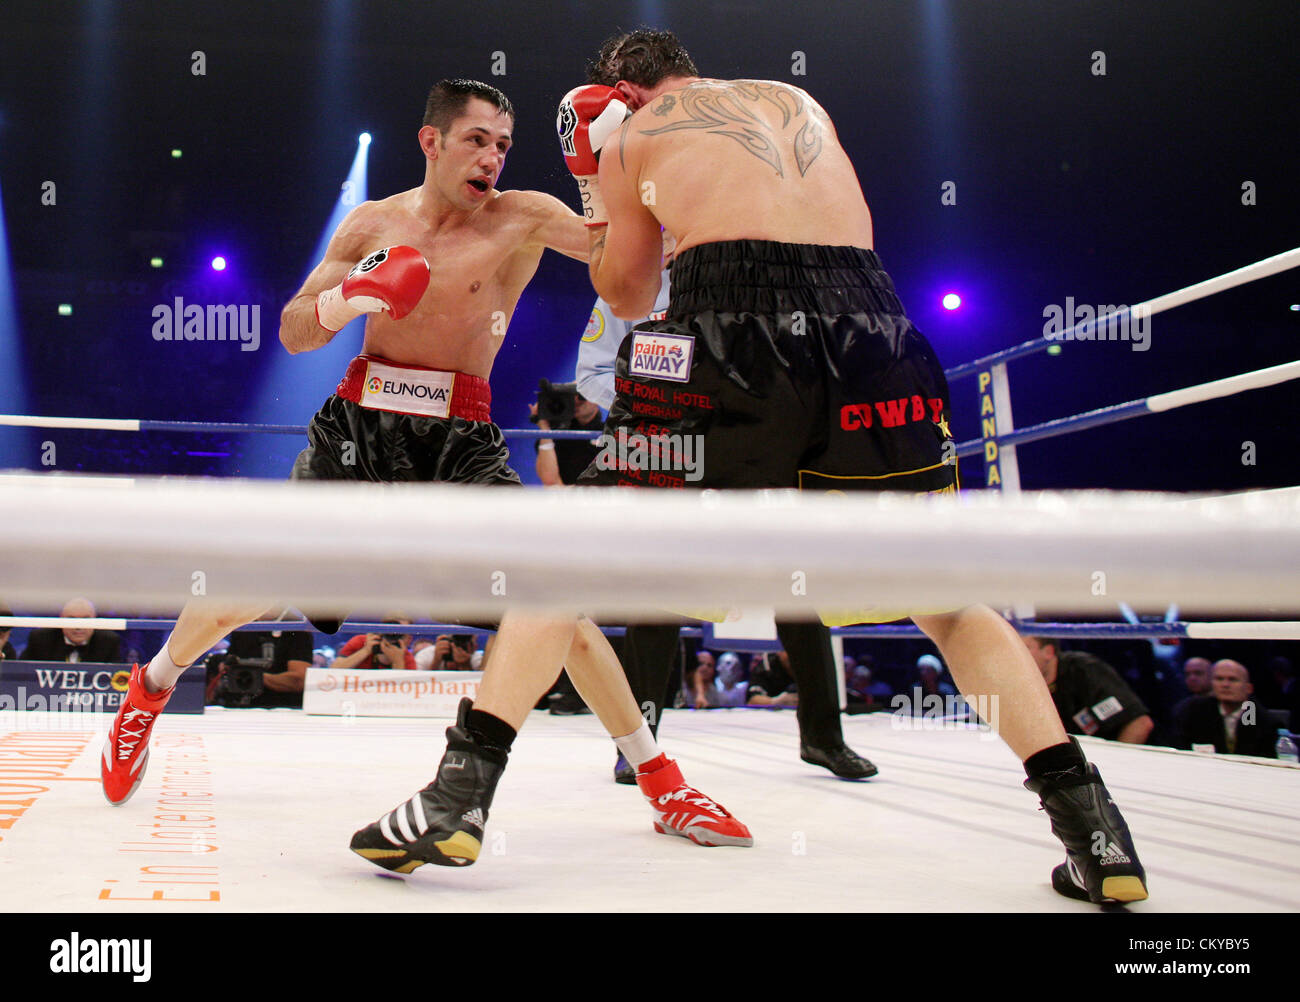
(777, 366)
(391, 423)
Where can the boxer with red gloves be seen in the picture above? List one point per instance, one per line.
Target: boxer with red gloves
(780, 321)
(588, 116)
(391, 279)
(415, 406)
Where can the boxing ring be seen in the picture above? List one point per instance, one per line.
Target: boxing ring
(944, 827)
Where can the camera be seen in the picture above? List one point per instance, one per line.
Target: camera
(556, 403)
(392, 638)
(242, 682)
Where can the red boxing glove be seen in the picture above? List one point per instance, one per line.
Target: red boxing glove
(392, 279)
(588, 117)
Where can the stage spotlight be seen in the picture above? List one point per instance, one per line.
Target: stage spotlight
(951, 301)
(176, 154)
(1053, 349)
(218, 263)
(155, 262)
(364, 138)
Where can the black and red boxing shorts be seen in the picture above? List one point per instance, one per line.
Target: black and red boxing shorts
(393, 423)
(777, 366)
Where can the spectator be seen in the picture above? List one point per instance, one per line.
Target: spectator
(7, 652)
(690, 681)
(716, 683)
(863, 689)
(391, 650)
(703, 690)
(74, 643)
(449, 652)
(770, 682)
(322, 656)
(732, 680)
(1089, 694)
(929, 670)
(1229, 719)
(1196, 676)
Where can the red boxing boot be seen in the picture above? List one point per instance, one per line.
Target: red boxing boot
(685, 811)
(126, 752)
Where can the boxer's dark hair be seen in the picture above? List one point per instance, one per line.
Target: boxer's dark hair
(643, 57)
(447, 100)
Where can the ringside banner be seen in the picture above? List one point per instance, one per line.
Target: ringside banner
(83, 687)
(377, 693)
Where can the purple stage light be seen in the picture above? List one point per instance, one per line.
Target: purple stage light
(951, 301)
(218, 263)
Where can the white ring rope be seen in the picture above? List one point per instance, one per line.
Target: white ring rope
(1228, 386)
(478, 551)
(1249, 630)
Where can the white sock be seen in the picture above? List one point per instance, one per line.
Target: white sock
(162, 672)
(640, 746)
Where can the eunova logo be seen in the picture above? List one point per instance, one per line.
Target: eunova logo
(418, 390)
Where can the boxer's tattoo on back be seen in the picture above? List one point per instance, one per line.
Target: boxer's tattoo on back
(807, 144)
(724, 110)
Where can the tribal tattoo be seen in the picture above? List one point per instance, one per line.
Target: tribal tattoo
(722, 110)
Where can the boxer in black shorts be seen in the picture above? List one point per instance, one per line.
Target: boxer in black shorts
(806, 374)
(453, 258)
(351, 441)
(787, 352)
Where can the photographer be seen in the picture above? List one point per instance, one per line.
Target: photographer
(266, 669)
(449, 652)
(560, 407)
(374, 650)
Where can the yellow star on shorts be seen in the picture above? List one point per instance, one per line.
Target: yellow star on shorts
(943, 427)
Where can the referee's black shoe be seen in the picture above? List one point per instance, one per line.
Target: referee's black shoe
(839, 759)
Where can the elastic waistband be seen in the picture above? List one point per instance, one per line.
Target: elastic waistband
(425, 394)
(766, 276)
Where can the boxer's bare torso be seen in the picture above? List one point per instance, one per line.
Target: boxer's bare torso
(741, 159)
(482, 248)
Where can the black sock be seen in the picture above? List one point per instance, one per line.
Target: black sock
(1056, 762)
(486, 729)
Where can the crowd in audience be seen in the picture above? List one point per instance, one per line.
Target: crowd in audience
(1182, 694)
(1148, 695)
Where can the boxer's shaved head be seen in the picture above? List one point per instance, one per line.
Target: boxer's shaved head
(447, 100)
(642, 57)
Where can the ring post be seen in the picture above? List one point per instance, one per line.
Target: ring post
(1001, 468)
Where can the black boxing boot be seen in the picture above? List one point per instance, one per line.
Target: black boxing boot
(1101, 864)
(444, 822)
